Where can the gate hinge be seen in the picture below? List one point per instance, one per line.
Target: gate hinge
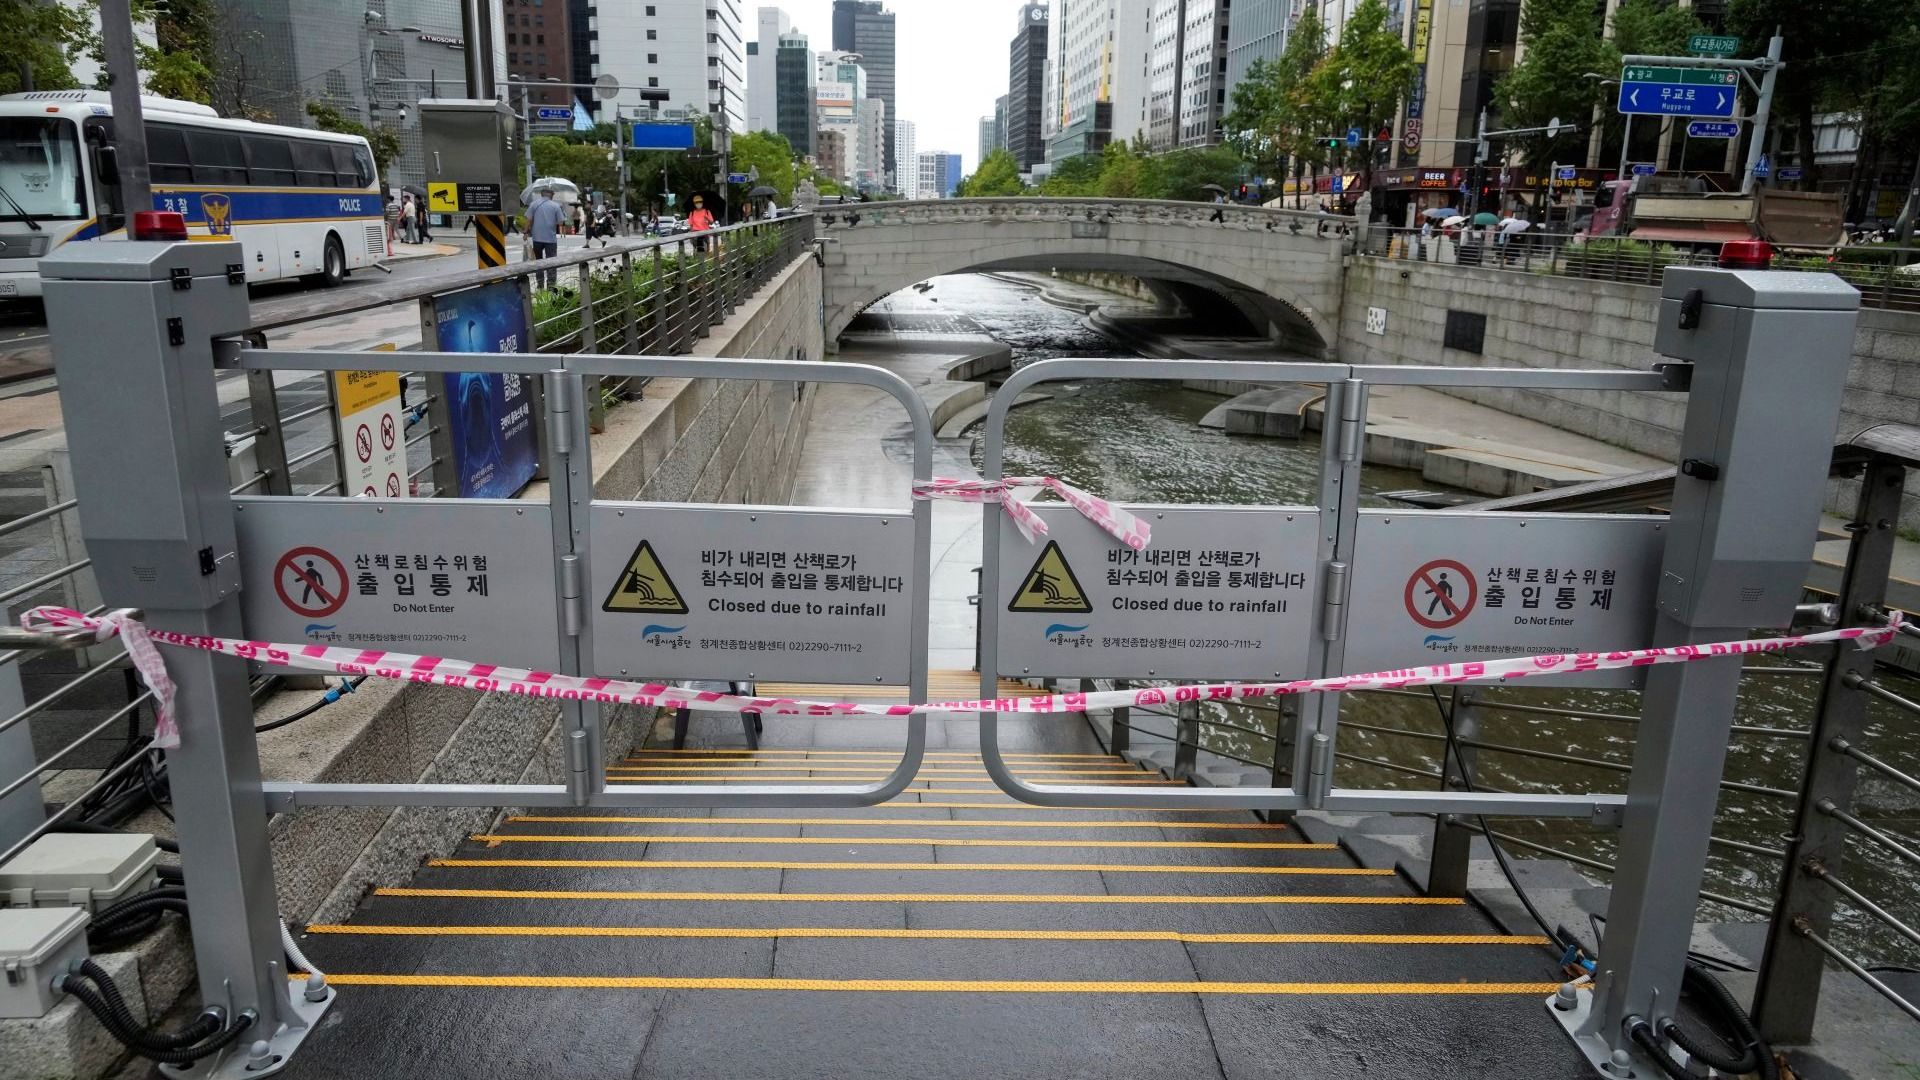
(1333, 602)
(236, 274)
(181, 277)
(560, 413)
(1350, 432)
(207, 561)
(573, 613)
(176, 331)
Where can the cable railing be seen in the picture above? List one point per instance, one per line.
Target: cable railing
(1887, 276)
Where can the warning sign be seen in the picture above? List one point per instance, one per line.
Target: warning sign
(311, 582)
(446, 578)
(1051, 586)
(1441, 594)
(644, 587)
(1435, 587)
(1222, 592)
(369, 401)
(712, 593)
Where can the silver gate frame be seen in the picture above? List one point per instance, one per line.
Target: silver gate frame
(1342, 451)
(569, 464)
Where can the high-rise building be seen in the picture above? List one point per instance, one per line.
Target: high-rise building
(582, 41)
(1186, 63)
(762, 79)
(939, 174)
(793, 106)
(1026, 81)
(906, 148)
(989, 139)
(866, 27)
(272, 57)
(870, 172)
(830, 155)
(1000, 119)
(1096, 78)
(538, 48)
(1258, 32)
(694, 52)
(840, 85)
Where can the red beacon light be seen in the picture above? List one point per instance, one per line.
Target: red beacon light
(159, 225)
(1746, 255)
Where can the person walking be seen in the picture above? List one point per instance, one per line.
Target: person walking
(699, 221)
(408, 214)
(1219, 200)
(543, 229)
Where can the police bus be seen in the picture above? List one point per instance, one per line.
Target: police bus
(302, 203)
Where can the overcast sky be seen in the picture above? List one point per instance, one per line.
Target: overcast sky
(951, 59)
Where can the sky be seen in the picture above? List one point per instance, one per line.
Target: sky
(950, 58)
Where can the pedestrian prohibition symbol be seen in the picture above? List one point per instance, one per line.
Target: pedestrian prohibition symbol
(311, 582)
(363, 443)
(386, 432)
(1050, 586)
(644, 587)
(1441, 594)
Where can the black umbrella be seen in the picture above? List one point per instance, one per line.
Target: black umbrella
(416, 191)
(764, 192)
(1213, 187)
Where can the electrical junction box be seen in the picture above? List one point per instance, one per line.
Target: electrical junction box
(83, 870)
(36, 946)
(472, 155)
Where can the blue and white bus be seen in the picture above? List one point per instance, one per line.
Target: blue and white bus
(303, 203)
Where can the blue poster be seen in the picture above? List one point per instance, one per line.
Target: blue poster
(490, 416)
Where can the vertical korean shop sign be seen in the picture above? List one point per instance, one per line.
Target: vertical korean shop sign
(489, 415)
(372, 433)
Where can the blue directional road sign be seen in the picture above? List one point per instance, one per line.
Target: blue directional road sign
(1353, 136)
(1334, 187)
(1565, 172)
(560, 113)
(736, 178)
(1644, 169)
(1665, 91)
(1792, 172)
(1713, 129)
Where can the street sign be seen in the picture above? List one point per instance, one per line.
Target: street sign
(1222, 592)
(465, 578)
(1792, 172)
(554, 112)
(736, 178)
(1564, 172)
(1334, 185)
(446, 198)
(1713, 129)
(1645, 169)
(708, 593)
(1668, 91)
(650, 136)
(1762, 167)
(1713, 45)
(606, 88)
(1438, 587)
(1353, 136)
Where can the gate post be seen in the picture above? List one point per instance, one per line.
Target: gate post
(143, 424)
(1453, 841)
(1789, 989)
(1769, 354)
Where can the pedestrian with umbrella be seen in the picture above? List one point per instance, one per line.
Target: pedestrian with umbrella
(1219, 200)
(767, 193)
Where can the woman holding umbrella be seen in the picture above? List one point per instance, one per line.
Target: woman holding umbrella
(699, 221)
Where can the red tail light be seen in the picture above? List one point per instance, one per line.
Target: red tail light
(1746, 255)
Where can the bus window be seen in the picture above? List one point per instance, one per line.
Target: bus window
(217, 158)
(40, 175)
(315, 164)
(270, 160)
(167, 160)
(362, 167)
(344, 167)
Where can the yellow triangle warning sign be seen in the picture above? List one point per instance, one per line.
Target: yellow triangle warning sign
(644, 588)
(1051, 586)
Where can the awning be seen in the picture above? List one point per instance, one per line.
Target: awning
(1715, 233)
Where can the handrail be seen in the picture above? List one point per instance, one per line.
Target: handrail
(1818, 870)
(1805, 929)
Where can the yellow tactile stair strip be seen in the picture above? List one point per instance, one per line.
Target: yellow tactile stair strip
(797, 766)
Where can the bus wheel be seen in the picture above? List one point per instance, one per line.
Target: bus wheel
(334, 269)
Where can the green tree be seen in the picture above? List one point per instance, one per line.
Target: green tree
(1564, 44)
(1073, 177)
(1366, 74)
(1303, 111)
(1120, 172)
(998, 174)
(39, 43)
(384, 141)
(1837, 54)
(1647, 28)
(1184, 174)
(180, 62)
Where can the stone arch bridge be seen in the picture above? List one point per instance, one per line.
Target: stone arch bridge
(1280, 268)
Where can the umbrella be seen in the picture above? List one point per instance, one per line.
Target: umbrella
(1515, 225)
(764, 192)
(1213, 187)
(564, 190)
(1484, 218)
(1439, 212)
(416, 191)
(1457, 219)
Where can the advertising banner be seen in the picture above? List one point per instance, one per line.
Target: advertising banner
(490, 416)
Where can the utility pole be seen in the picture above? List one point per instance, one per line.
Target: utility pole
(129, 130)
(1626, 140)
(476, 27)
(620, 147)
(1761, 113)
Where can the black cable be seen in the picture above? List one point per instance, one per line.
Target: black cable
(1753, 1055)
(1559, 946)
(94, 988)
(347, 686)
(148, 783)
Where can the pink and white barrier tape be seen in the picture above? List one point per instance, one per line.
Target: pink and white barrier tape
(462, 674)
(1123, 526)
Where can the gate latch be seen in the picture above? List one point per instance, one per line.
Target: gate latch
(1700, 470)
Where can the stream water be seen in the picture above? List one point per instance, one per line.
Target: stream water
(1140, 441)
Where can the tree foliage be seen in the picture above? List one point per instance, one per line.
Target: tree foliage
(1073, 177)
(384, 141)
(179, 64)
(1282, 109)
(1366, 74)
(1564, 43)
(998, 174)
(39, 43)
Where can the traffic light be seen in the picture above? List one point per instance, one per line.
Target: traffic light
(1243, 193)
(1333, 144)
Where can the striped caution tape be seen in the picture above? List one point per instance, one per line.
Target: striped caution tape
(943, 986)
(465, 674)
(898, 933)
